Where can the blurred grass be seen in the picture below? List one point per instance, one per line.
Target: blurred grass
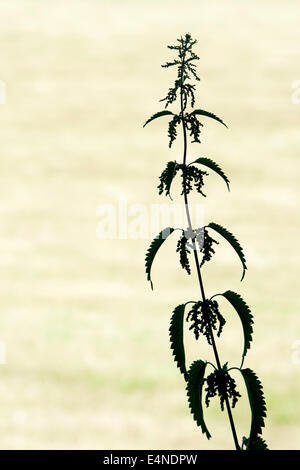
(88, 360)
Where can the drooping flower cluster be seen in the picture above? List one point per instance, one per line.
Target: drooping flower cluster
(205, 243)
(205, 317)
(220, 383)
(183, 251)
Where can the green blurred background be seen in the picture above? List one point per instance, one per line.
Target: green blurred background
(88, 359)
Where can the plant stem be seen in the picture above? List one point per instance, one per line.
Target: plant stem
(197, 260)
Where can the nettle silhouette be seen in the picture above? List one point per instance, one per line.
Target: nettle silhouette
(204, 316)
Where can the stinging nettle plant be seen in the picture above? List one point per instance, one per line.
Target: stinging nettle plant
(204, 316)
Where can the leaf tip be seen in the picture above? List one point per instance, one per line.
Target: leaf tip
(244, 272)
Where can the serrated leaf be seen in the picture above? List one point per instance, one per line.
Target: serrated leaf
(176, 338)
(257, 403)
(201, 112)
(233, 242)
(257, 444)
(244, 313)
(157, 115)
(194, 391)
(213, 166)
(153, 248)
